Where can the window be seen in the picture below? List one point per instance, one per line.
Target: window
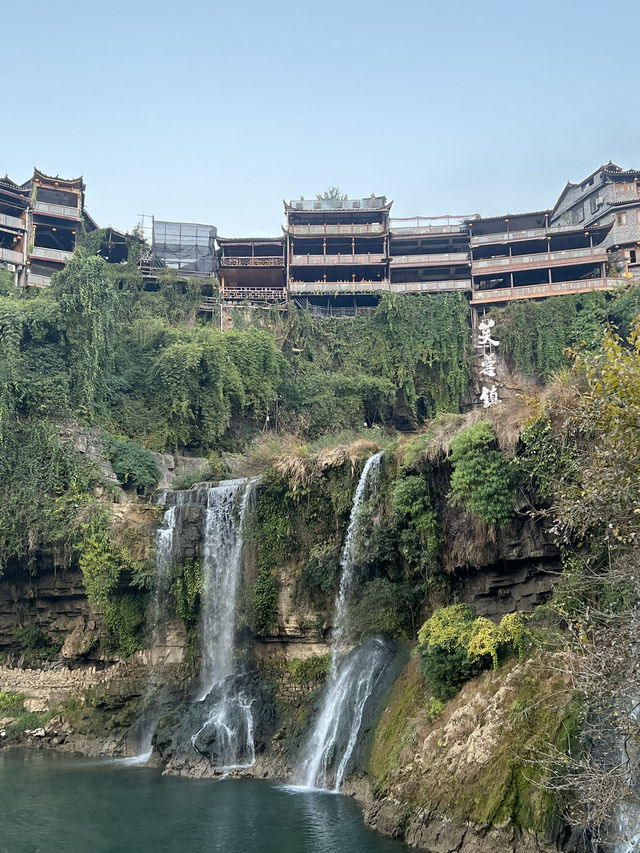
(593, 204)
(632, 256)
(621, 218)
(578, 213)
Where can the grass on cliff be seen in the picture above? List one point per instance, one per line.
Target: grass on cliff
(12, 707)
(414, 754)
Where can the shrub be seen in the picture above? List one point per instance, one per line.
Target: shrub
(434, 709)
(482, 480)
(319, 575)
(186, 589)
(125, 620)
(36, 645)
(265, 601)
(455, 646)
(306, 671)
(134, 465)
(382, 608)
(443, 645)
(543, 460)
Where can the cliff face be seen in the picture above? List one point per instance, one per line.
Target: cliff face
(444, 785)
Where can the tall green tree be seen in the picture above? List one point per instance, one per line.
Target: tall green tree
(87, 299)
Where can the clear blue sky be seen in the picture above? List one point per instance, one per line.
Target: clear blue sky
(215, 111)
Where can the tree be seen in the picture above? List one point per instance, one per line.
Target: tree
(87, 300)
(597, 518)
(332, 194)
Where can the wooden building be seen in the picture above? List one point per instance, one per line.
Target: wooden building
(524, 256)
(252, 268)
(337, 249)
(57, 210)
(429, 255)
(39, 225)
(14, 227)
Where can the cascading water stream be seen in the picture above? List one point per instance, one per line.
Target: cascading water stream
(165, 538)
(353, 676)
(227, 733)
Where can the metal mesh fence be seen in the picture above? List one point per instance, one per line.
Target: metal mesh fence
(184, 246)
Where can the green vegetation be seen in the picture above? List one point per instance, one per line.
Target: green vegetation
(12, 707)
(413, 760)
(311, 670)
(133, 465)
(481, 480)
(186, 590)
(104, 568)
(539, 334)
(406, 361)
(455, 646)
(46, 499)
(36, 645)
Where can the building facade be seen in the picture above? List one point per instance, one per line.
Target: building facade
(40, 222)
(340, 254)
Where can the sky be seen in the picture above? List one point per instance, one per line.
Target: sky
(214, 112)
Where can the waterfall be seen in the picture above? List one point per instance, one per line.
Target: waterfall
(165, 538)
(367, 484)
(227, 733)
(353, 677)
(221, 571)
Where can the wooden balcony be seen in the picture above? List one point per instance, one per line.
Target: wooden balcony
(373, 228)
(431, 260)
(11, 257)
(447, 286)
(425, 225)
(539, 260)
(338, 287)
(50, 254)
(332, 260)
(527, 234)
(36, 280)
(267, 261)
(12, 222)
(538, 291)
(57, 210)
(263, 294)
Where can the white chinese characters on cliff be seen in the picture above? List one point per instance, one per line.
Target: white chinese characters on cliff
(486, 344)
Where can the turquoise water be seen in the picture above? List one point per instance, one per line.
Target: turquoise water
(53, 803)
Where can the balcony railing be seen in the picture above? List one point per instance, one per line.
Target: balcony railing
(526, 234)
(336, 287)
(336, 230)
(11, 257)
(542, 259)
(431, 286)
(51, 254)
(266, 294)
(531, 291)
(57, 210)
(228, 261)
(38, 280)
(332, 260)
(430, 260)
(11, 221)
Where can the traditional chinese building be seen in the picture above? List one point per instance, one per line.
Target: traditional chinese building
(525, 256)
(429, 255)
(14, 227)
(39, 225)
(252, 268)
(609, 196)
(337, 249)
(57, 214)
